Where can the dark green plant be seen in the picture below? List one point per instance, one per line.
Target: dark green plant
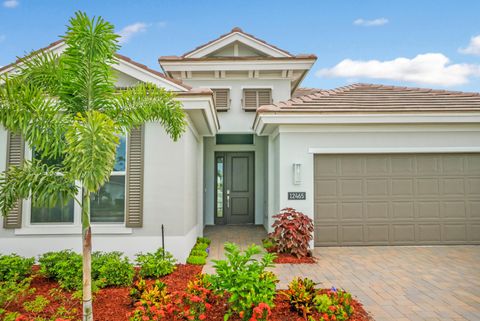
(204, 240)
(37, 305)
(156, 264)
(200, 246)
(66, 106)
(14, 265)
(13, 290)
(198, 253)
(198, 260)
(301, 294)
(336, 303)
(245, 279)
(111, 268)
(64, 266)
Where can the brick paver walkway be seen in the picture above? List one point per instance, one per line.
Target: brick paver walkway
(393, 283)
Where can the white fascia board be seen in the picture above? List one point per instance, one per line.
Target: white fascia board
(264, 122)
(240, 37)
(294, 64)
(145, 76)
(408, 150)
(206, 107)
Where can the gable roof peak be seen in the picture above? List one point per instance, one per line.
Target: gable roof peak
(236, 29)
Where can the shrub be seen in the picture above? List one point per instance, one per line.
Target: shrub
(334, 305)
(301, 294)
(244, 279)
(64, 266)
(37, 305)
(13, 289)
(111, 268)
(292, 232)
(200, 247)
(15, 266)
(198, 253)
(198, 260)
(269, 244)
(204, 240)
(155, 264)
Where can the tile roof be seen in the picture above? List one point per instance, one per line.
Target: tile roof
(305, 92)
(235, 30)
(377, 98)
(119, 56)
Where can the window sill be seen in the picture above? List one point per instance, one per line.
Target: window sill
(72, 230)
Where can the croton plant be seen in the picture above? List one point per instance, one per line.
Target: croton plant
(292, 232)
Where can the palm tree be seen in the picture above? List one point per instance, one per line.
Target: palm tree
(66, 107)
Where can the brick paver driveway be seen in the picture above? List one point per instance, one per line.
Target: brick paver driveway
(393, 283)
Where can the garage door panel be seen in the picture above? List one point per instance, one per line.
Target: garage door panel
(377, 234)
(455, 233)
(403, 210)
(377, 187)
(402, 187)
(351, 211)
(473, 232)
(377, 210)
(454, 210)
(329, 210)
(427, 209)
(403, 233)
(351, 234)
(377, 165)
(427, 187)
(351, 188)
(327, 235)
(397, 199)
(429, 233)
(402, 165)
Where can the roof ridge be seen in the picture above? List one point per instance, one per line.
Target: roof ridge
(235, 30)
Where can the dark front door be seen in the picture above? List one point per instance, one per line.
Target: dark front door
(234, 192)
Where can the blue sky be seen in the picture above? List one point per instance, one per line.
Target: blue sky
(411, 43)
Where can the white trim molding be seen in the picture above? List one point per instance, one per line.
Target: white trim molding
(401, 150)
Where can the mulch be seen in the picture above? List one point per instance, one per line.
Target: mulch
(286, 258)
(113, 303)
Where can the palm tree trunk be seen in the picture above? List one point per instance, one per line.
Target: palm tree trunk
(87, 258)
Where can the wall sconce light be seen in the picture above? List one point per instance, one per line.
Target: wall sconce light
(297, 173)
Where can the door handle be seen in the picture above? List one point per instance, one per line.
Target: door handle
(228, 198)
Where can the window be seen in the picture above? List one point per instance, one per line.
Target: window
(221, 97)
(254, 98)
(63, 212)
(108, 204)
(219, 189)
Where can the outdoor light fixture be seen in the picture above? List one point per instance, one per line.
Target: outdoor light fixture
(297, 174)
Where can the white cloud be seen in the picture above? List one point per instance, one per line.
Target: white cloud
(129, 31)
(473, 47)
(10, 3)
(429, 68)
(371, 23)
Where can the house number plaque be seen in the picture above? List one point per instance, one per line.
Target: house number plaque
(297, 196)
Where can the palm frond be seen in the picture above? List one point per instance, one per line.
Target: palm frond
(88, 78)
(91, 147)
(44, 184)
(25, 109)
(147, 102)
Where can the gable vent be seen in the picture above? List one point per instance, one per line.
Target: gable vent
(221, 98)
(254, 98)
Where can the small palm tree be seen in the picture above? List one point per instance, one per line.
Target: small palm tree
(67, 109)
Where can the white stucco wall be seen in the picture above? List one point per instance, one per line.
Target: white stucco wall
(236, 120)
(296, 141)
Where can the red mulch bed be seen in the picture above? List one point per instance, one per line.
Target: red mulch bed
(113, 304)
(286, 258)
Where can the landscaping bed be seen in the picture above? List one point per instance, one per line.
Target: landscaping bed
(114, 303)
(286, 258)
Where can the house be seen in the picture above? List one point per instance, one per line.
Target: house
(371, 164)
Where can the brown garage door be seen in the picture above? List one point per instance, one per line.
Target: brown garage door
(397, 199)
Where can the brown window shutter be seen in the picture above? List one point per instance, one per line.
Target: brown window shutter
(134, 189)
(254, 98)
(221, 98)
(15, 154)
